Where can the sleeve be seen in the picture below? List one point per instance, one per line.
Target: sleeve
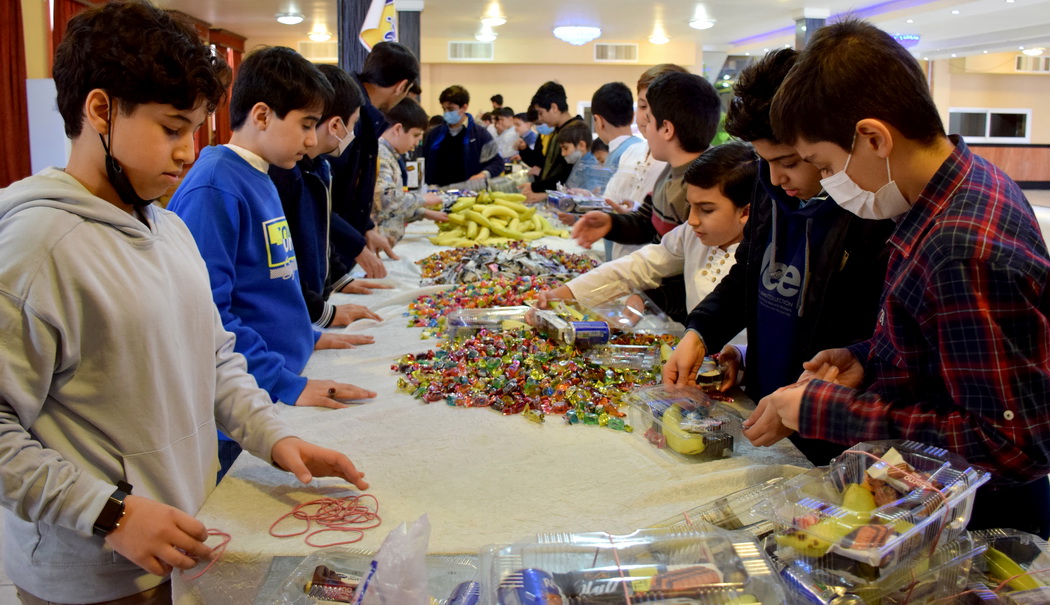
(643, 269)
(214, 218)
(559, 174)
(489, 158)
(320, 311)
(39, 485)
(993, 340)
(722, 314)
(390, 201)
(347, 242)
(634, 228)
(242, 410)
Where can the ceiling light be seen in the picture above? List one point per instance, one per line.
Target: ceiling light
(659, 39)
(765, 50)
(925, 58)
(493, 20)
(726, 77)
(577, 35)
(1033, 52)
(702, 23)
(485, 36)
(290, 18)
(747, 54)
(1020, 48)
(320, 36)
(985, 52)
(906, 40)
(955, 12)
(954, 55)
(910, 21)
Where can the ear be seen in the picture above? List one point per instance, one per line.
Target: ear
(332, 126)
(667, 130)
(744, 213)
(97, 111)
(583, 146)
(876, 136)
(464, 107)
(260, 116)
(599, 122)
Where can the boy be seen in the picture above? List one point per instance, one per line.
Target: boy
(612, 106)
(574, 142)
(305, 193)
(720, 185)
(507, 136)
(393, 206)
(389, 72)
(600, 151)
(110, 374)
(788, 319)
(960, 357)
(460, 149)
(552, 111)
(233, 210)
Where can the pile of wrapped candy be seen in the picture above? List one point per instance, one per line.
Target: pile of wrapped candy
(471, 265)
(519, 372)
(429, 311)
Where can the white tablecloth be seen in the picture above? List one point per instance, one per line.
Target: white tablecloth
(481, 478)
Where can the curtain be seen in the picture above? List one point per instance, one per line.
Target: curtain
(14, 110)
(231, 47)
(62, 11)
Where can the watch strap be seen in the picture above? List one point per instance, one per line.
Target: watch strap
(113, 511)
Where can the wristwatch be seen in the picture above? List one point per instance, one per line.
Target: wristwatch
(109, 519)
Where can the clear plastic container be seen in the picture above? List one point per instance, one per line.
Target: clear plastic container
(444, 574)
(1016, 566)
(647, 566)
(732, 512)
(825, 511)
(464, 323)
(634, 313)
(683, 422)
(572, 203)
(936, 578)
(634, 357)
(584, 333)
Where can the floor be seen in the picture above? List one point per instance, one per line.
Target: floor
(1040, 200)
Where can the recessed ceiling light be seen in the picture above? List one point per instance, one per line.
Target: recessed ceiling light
(954, 55)
(726, 77)
(955, 12)
(747, 54)
(1020, 48)
(985, 52)
(493, 20)
(659, 39)
(1033, 52)
(910, 21)
(702, 23)
(1009, 1)
(290, 18)
(577, 35)
(485, 37)
(925, 58)
(765, 50)
(320, 36)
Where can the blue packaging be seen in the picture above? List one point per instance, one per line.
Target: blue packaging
(590, 333)
(466, 593)
(529, 587)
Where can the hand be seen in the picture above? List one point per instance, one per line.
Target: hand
(685, 362)
(730, 357)
(436, 216)
(306, 461)
(342, 341)
(591, 227)
(158, 537)
(370, 263)
(566, 218)
(535, 171)
(433, 200)
(363, 286)
(559, 293)
(834, 365)
(330, 394)
(521, 145)
(625, 207)
(526, 188)
(764, 426)
(377, 243)
(484, 174)
(634, 310)
(349, 313)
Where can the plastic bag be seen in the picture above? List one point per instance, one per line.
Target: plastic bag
(398, 574)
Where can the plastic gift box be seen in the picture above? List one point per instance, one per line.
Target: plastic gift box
(683, 422)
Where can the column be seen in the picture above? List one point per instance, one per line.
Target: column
(807, 23)
(350, 17)
(409, 18)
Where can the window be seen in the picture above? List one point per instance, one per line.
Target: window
(983, 125)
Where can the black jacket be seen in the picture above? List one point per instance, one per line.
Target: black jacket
(555, 168)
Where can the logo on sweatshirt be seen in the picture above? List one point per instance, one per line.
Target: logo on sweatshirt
(280, 254)
(780, 284)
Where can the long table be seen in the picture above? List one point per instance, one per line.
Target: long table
(480, 477)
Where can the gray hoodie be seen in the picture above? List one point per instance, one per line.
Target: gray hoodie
(113, 365)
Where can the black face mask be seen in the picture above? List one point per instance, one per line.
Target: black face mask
(121, 184)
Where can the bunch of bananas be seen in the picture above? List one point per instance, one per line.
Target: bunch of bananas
(493, 218)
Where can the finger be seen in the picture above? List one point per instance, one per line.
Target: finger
(192, 547)
(174, 557)
(295, 465)
(192, 528)
(831, 374)
(368, 314)
(155, 566)
(360, 339)
(349, 392)
(343, 467)
(320, 402)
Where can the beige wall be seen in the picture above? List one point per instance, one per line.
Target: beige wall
(35, 24)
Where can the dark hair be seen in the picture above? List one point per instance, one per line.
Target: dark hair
(435, 121)
(409, 114)
(281, 78)
(691, 104)
(524, 117)
(732, 167)
(138, 54)
(748, 115)
(614, 103)
(850, 71)
(496, 99)
(532, 115)
(456, 95)
(656, 71)
(504, 112)
(574, 132)
(388, 64)
(348, 96)
(550, 93)
(598, 145)
(415, 89)
(486, 117)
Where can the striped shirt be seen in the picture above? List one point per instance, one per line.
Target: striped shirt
(960, 357)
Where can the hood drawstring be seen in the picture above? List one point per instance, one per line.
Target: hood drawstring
(805, 271)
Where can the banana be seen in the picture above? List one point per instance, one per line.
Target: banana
(462, 204)
(484, 197)
(818, 538)
(1002, 568)
(510, 197)
(472, 230)
(517, 207)
(529, 213)
(503, 231)
(531, 235)
(483, 234)
(478, 218)
(678, 440)
(858, 498)
(456, 217)
(498, 222)
(496, 210)
(515, 225)
(527, 225)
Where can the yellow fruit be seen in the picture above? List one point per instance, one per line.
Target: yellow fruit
(818, 538)
(858, 498)
(1001, 567)
(678, 440)
(510, 197)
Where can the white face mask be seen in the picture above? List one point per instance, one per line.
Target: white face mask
(574, 156)
(344, 142)
(887, 202)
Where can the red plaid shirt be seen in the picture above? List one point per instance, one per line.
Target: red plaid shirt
(960, 357)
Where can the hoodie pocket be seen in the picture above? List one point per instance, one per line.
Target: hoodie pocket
(182, 474)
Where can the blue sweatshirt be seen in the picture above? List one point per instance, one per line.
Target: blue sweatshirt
(234, 213)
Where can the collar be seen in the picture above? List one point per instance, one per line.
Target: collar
(613, 144)
(251, 157)
(935, 197)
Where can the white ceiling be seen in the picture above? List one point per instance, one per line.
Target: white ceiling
(741, 25)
